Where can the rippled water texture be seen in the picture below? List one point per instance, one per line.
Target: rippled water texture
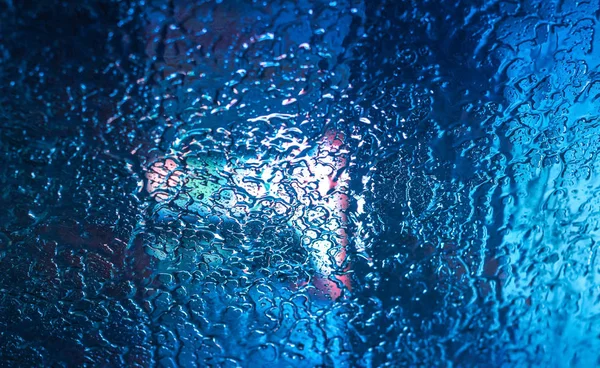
(350, 183)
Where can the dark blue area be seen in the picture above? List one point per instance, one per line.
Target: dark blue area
(299, 183)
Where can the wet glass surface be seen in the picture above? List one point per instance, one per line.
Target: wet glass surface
(299, 183)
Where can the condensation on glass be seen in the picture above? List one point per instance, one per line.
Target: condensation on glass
(299, 183)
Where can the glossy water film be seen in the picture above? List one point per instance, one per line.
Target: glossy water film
(351, 183)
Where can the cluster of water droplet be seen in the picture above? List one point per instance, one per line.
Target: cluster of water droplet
(299, 183)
